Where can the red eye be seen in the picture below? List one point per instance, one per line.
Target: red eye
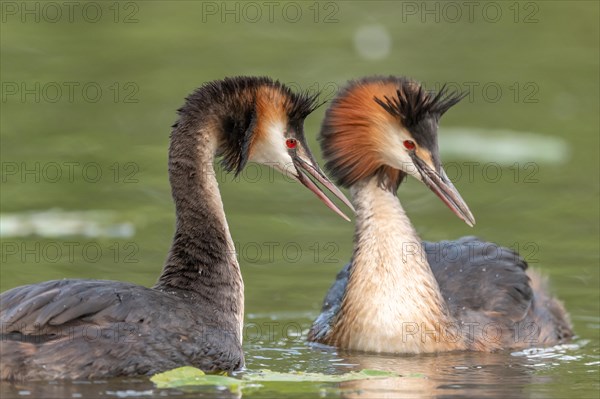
(291, 143)
(409, 144)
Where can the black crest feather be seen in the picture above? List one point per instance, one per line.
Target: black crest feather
(232, 102)
(413, 104)
(302, 104)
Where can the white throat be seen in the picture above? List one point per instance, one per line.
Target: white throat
(393, 301)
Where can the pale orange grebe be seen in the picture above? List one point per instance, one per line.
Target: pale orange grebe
(399, 295)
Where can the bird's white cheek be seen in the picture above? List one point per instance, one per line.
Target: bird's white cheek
(411, 168)
(271, 150)
(395, 155)
(398, 158)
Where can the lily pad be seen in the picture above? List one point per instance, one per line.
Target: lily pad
(190, 376)
(274, 376)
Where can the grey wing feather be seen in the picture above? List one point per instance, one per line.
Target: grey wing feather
(54, 303)
(331, 305)
(481, 276)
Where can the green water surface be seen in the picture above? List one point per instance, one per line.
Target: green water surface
(146, 56)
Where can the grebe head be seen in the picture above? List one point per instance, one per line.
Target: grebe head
(388, 127)
(268, 128)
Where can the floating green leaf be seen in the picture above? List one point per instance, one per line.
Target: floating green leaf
(273, 376)
(190, 376)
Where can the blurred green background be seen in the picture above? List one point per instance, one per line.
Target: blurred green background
(97, 90)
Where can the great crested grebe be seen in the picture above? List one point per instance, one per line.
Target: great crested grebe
(397, 294)
(194, 314)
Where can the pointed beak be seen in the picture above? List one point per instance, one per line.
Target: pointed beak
(443, 188)
(312, 169)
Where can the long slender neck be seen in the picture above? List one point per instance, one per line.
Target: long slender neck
(202, 257)
(392, 292)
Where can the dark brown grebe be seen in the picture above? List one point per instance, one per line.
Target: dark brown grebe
(399, 295)
(194, 314)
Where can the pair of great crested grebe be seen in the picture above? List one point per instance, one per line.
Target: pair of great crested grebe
(397, 295)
